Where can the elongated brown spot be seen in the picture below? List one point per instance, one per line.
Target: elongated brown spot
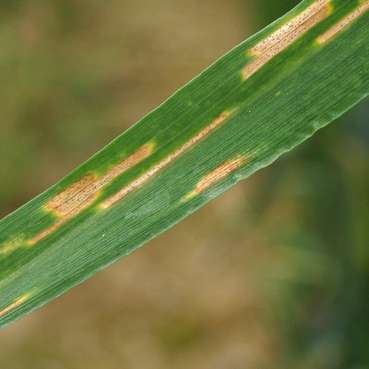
(286, 35)
(83, 193)
(215, 176)
(166, 161)
(76, 197)
(15, 304)
(344, 23)
(47, 232)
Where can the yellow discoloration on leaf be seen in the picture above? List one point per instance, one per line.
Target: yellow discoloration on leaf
(19, 301)
(166, 161)
(286, 35)
(344, 23)
(80, 195)
(215, 176)
(10, 246)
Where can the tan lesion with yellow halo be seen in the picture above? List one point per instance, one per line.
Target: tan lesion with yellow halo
(286, 35)
(19, 301)
(344, 23)
(215, 176)
(219, 120)
(84, 192)
(81, 194)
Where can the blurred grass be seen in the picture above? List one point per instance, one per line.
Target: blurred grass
(324, 311)
(271, 275)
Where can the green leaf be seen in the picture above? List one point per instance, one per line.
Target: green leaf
(259, 101)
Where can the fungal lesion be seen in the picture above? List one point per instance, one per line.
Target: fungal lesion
(344, 23)
(73, 199)
(285, 36)
(15, 304)
(215, 176)
(10, 246)
(141, 180)
(83, 193)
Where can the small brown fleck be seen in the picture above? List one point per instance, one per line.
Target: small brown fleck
(286, 35)
(15, 304)
(344, 23)
(166, 161)
(215, 176)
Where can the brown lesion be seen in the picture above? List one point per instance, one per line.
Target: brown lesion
(19, 301)
(137, 183)
(76, 197)
(215, 176)
(81, 194)
(344, 23)
(47, 232)
(286, 35)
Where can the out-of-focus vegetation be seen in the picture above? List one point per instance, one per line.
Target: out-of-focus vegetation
(325, 311)
(272, 275)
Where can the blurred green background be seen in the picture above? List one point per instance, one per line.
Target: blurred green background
(274, 274)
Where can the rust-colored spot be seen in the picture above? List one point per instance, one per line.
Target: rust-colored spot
(286, 35)
(84, 192)
(15, 304)
(166, 161)
(344, 23)
(215, 176)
